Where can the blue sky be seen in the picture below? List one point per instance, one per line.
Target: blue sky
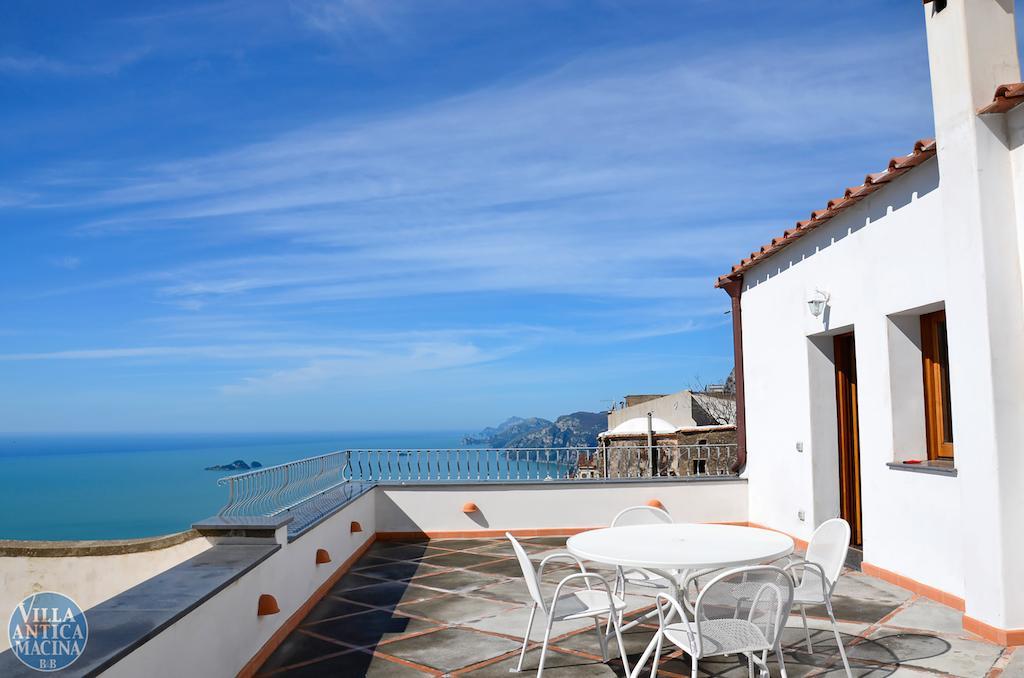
(356, 215)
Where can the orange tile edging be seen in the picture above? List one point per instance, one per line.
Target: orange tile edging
(992, 633)
(938, 595)
(1007, 637)
(472, 534)
(254, 664)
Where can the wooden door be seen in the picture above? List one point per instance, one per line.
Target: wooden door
(849, 439)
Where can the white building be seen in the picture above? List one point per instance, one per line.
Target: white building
(927, 251)
(682, 409)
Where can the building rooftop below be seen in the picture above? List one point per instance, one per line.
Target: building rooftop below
(639, 425)
(459, 607)
(636, 399)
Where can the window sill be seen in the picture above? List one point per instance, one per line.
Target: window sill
(934, 467)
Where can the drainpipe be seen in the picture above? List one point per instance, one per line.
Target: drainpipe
(734, 288)
(650, 441)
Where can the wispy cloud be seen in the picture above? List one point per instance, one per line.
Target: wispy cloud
(417, 358)
(37, 64)
(68, 263)
(609, 176)
(350, 20)
(508, 234)
(221, 352)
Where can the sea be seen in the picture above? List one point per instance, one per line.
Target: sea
(122, 486)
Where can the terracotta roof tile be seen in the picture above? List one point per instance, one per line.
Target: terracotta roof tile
(923, 150)
(1006, 97)
(876, 178)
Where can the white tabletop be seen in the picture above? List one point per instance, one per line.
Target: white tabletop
(680, 546)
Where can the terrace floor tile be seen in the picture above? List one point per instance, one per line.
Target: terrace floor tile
(387, 594)
(301, 647)
(1015, 667)
(458, 581)
(394, 570)
(330, 607)
(515, 591)
(928, 615)
(460, 607)
(555, 664)
(355, 664)
(459, 559)
(354, 580)
(949, 654)
(635, 639)
(859, 609)
(466, 544)
(406, 552)
(449, 649)
(512, 622)
(369, 629)
(455, 608)
(508, 567)
(503, 549)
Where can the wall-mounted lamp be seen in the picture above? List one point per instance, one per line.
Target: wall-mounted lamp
(816, 304)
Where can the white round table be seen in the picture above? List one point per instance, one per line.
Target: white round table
(680, 546)
(674, 551)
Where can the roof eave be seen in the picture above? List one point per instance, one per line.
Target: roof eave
(924, 149)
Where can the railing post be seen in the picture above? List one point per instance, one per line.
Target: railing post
(231, 497)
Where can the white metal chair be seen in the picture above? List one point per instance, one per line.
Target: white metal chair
(639, 577)
(816, 574)
(740, 611)
(640, 515)
(573, 605)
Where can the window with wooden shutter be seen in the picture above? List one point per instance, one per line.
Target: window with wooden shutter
(937, 403)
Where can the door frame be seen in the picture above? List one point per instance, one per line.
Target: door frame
(848, 428)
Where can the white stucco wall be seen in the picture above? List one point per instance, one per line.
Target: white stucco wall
(509, 507)
(222, 634)
(876, 260)
(88, 580)
(675, 408)
(1014, 121)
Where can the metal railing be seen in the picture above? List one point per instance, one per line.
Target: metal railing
(309, 488)
(466, 464)
(272, 490)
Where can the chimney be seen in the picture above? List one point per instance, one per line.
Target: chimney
(972, 49)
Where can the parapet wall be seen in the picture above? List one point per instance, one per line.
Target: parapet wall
(223, 612)
(437, 509)
(90, 572)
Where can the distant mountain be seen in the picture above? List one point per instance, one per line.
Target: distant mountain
(511, 428)
(579, 429)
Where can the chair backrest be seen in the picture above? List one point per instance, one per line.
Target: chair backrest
(641, 515)
(529, 573)
(828, 547)
(761, 595)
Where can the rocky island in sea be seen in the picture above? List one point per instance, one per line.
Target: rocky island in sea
(236, 465)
